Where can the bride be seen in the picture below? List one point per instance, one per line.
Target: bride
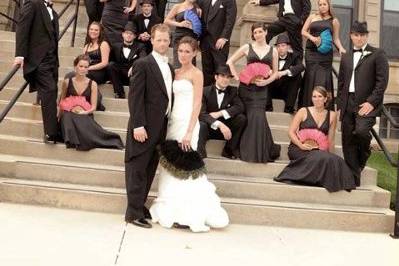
(186, 198)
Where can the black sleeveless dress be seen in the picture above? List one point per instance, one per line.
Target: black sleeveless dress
(257, 143)
(317, 167)
(178, 34)
(82, 131)
(100, 76)
(318, 66)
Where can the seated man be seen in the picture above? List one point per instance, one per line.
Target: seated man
(144, 23)
(221, 115)
(124, 54)
(289, 76)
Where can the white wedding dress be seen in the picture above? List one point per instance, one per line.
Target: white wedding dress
(190, 202)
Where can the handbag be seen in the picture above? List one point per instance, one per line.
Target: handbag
(326, 44)
(191, 16)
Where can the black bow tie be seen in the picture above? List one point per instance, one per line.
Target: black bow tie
(48, 4)
(357, 50)
(220, 91)
(127, 46)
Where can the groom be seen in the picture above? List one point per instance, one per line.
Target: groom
(150, 102)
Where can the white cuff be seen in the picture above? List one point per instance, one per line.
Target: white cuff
(289, 73)
(20, 57)
(225, 114)
(137, 128)
(215, 125)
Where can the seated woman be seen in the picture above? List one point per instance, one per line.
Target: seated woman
(77, 103)
(313, 162)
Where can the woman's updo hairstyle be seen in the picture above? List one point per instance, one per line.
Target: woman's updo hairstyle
(80, 58)
(255, 26)
(324, 93)
(190, 41)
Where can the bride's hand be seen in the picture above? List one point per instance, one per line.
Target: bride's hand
(186, 142)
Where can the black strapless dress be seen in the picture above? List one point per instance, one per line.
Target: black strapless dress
(317, 167)
(82, 131)
(257, 143)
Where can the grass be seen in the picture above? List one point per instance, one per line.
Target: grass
(386, 173)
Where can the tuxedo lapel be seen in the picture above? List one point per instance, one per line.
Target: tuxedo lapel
(47, 19)
(226, 98)
(157, 74)
(213, 101)
(367, 51)
(213, 10)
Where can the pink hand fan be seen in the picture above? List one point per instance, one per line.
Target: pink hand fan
(68, 103)
(254, 71)
(314, 135)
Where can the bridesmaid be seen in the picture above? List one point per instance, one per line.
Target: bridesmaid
(309, 164)
(175, 18)
(78, 126)
(318, 65)
(115, 16)
(257, 143)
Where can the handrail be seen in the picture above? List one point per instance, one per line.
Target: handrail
(8, 17)
(14, 70)
(391, 160)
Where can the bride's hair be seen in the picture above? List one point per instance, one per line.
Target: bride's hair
(190, 41)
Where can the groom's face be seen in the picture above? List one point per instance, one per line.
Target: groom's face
(160, 42)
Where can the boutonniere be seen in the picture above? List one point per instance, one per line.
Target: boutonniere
(366, 53)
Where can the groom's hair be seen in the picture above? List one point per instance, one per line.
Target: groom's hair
(160, 28)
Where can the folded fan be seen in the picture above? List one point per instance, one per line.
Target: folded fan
(315, 135)
(68, 103)
(196, 23)
(254, 71)
(326, 42)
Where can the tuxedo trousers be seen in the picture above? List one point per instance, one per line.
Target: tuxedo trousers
(94, 10)
(119, 76)
(293, 26)
(286, 89)
(139, 174)
(356, 137)
(236, 124)
(45, 79)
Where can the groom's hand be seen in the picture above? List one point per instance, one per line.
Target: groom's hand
(140, 134)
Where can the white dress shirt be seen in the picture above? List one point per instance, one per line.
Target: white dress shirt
(126, 52)
(220, 97)
(50, 10)
(356, 58)
(146, 20)
(288, 8)
(162, 62)
(213, 2)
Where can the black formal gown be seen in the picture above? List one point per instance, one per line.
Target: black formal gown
(257, 143)
(178, 34)
(100, 76)
(317, 167)
(82, 131)
(318, 66)
(114, 19)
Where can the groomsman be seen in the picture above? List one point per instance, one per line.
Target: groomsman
(36, 50)
(221, 115)
(363, 78)
(124, 55)
(289, 77)
(218, 17)
(144, 23)
(291, 16)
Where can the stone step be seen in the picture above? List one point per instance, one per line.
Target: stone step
(242, 211)
(5, 67)
(227, 186)
(9, 47)
(20, 146)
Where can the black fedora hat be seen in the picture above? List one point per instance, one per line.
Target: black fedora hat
(282, 38)
(224, 70)
(359, 27)
(147, 2)
(130, 27)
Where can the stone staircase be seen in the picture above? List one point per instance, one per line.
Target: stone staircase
(32, 172)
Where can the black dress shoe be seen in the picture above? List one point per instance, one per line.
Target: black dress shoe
(120, 96)
(52, 139)
(230, 155)
(147, 214)
(141, 222)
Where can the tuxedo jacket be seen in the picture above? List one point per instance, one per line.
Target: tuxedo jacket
(36, 34)
(218, 19)
(148, 101)
(301, 7)
(293, 62)
(231, 103)
(371, 79)
(137, 51)
(138, 20)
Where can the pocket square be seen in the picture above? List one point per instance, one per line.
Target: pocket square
(135, 56)
(228, 105)
(221, 6)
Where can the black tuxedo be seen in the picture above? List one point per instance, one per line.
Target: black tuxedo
(94, 10)
(290, 23)
(118, 69)
(233, 106)
(287, 87)
(148, 102)
(37, 42)
(138, 20)
(370, 80)
(160, 6)
(218, 23)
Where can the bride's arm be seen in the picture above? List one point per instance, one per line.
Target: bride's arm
(198, 84)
